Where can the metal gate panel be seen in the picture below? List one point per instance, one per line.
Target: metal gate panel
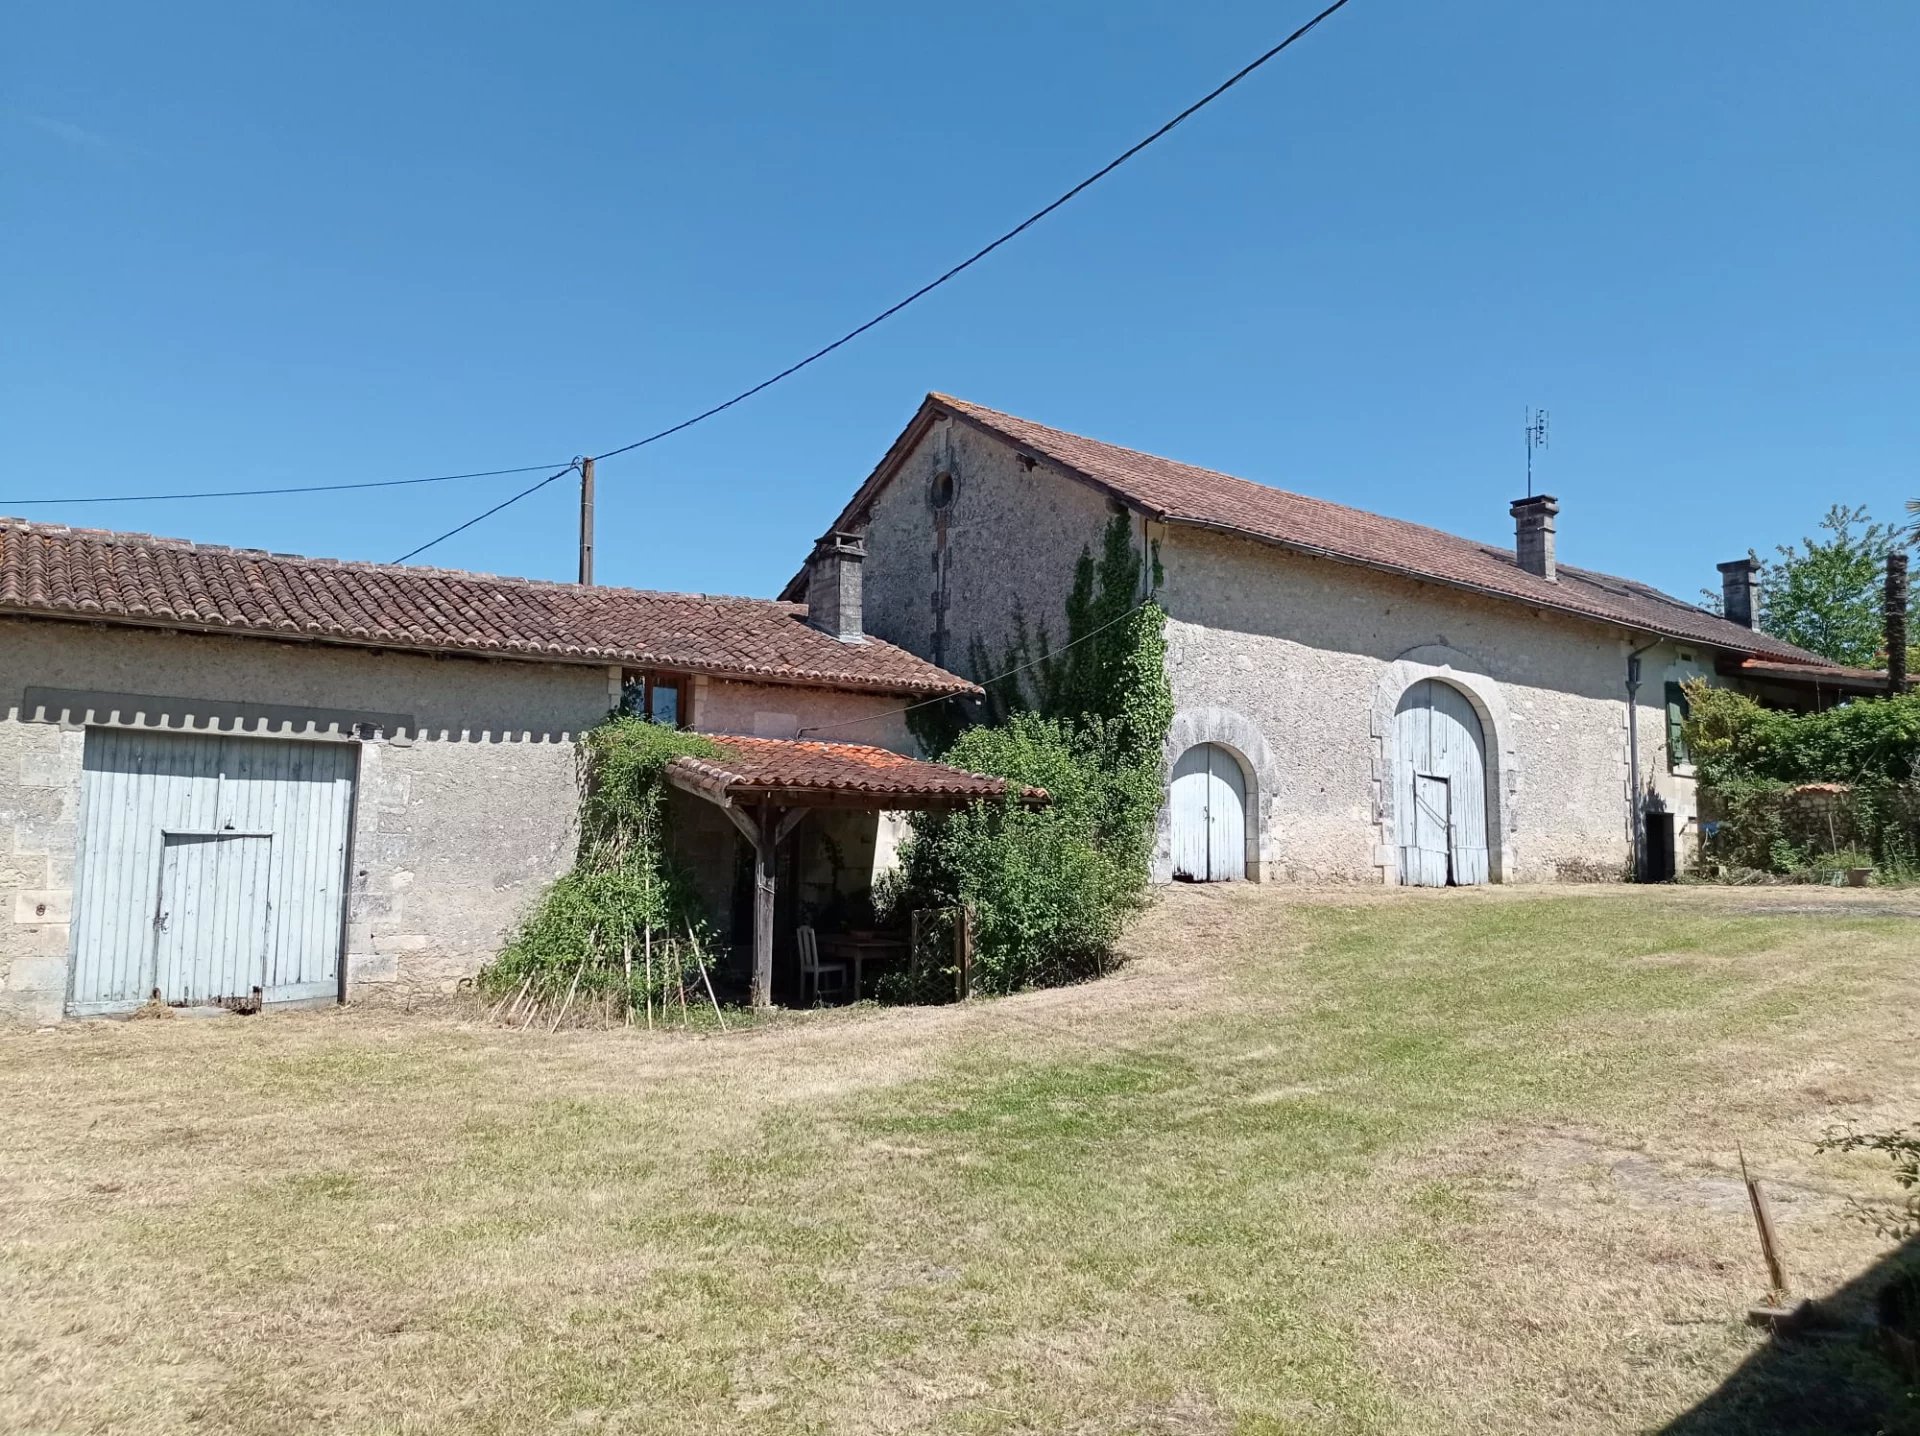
(140, 786)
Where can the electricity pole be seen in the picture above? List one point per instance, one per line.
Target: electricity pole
(586, 521)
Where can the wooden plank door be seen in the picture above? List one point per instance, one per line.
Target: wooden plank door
(1188, 799)
(143, 795)
(210, 918)
(1432, 814)
(1209, 805)
(1226, 817)
(1438, 741)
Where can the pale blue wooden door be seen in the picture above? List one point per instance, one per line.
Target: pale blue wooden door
(210, 918)
(1209, 804)
(142, 795)
(1427, 857)
(1440, 787)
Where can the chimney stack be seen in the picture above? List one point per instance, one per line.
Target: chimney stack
(833, 586)
(1740, 592)
(1533, 534)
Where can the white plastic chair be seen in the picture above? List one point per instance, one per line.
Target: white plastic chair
(822, 976)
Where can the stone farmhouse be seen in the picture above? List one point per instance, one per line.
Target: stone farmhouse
(1358, 698)
(231, 777)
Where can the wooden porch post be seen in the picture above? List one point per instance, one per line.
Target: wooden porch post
(766, 849)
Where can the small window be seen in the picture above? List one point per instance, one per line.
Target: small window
(1677, 711)
(940, 491)
(657, 697)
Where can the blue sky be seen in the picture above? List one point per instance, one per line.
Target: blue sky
(305, 243)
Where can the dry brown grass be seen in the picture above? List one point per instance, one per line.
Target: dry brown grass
(1331, 1161)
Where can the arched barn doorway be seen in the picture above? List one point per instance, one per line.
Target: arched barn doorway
(1440, 787)
(1209, 802)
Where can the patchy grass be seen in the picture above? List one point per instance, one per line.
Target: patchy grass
(1345, 1162)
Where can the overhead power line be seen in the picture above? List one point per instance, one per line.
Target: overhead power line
(979, 254)
(530, 489)
(6, 505)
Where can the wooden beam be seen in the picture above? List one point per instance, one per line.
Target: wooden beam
(749, 829)
(766, 848)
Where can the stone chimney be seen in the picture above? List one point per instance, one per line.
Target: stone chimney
(1740, 592)
(833, 586)
(1533, 534)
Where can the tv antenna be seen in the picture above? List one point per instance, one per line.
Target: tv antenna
(1536, 428)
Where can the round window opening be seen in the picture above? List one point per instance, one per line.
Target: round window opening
(940, 491)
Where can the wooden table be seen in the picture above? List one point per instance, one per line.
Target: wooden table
(858, 949)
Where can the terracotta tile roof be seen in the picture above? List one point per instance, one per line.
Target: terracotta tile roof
(52, 571)
(802, 769)
(1182, 494)
(1833, 675)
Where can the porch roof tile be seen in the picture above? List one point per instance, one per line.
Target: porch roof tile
(800, 771)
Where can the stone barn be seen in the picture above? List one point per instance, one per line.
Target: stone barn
(1359, 698)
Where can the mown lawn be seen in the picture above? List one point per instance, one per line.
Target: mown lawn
(1312, 1163)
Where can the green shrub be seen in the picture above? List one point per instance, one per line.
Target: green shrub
(1751, 760)
(1050, 888)
(1732, 737)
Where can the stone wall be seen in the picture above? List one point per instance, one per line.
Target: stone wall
(1814, 822)
(940, 581)
(770, 710)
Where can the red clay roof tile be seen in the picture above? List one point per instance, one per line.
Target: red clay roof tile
(51, 571)
(801, 768)
(1182, 494)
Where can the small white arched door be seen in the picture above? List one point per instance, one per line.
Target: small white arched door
(1439, 787)
(1209, 802)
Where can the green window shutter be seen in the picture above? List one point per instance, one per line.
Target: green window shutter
(1676, 734)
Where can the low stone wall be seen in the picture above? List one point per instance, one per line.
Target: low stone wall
(1810, 821)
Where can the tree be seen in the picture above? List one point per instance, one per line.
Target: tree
(1827, 593)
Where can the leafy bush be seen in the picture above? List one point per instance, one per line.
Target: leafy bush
(1051, 889)
(1755, 764)
(1731, 737)
(588, 933)
(1902, 1146)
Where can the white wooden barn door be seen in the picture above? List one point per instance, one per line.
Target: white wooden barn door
(1440, 787)
(1209, 802)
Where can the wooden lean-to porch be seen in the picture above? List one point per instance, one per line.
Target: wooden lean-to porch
(802, 807)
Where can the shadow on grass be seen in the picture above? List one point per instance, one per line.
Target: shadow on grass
(1839, 1377)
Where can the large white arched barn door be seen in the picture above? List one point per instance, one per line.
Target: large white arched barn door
(1209, 802)
(1440, 787)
